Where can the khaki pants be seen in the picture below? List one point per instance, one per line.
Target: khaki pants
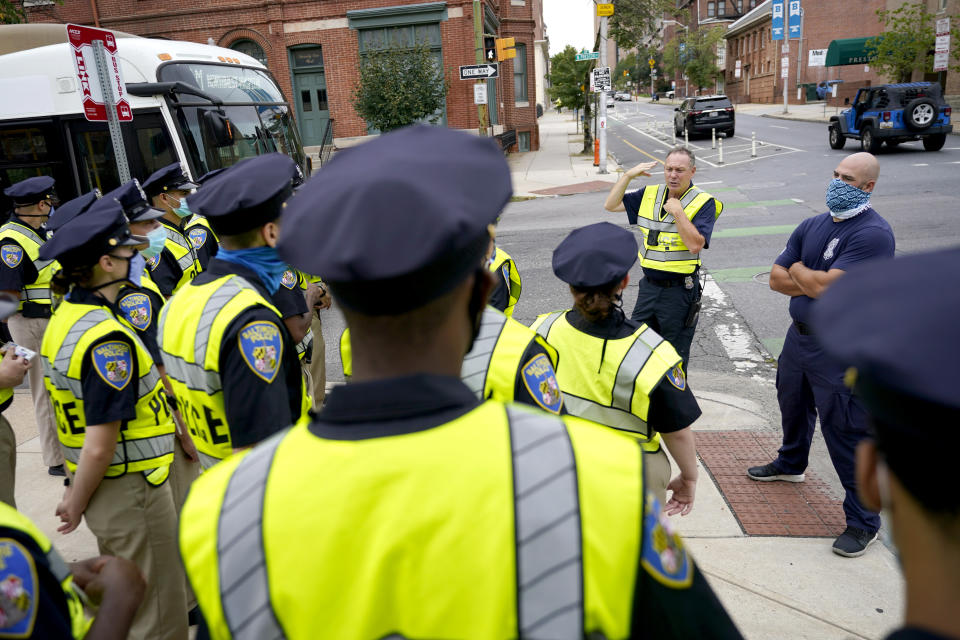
(318, 364)
(28, 332)
(656, 472)
(8, 462)
(134, 520)
(183, 472)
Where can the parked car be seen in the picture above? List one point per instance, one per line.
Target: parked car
(610, 102)
(703, 113)
(894, 113)
(623, 96)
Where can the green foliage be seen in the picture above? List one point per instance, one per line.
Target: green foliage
(399, 86)
(638, 70)
(11, 12)
(697, 57)
(634, 20)
(567, 78)
(908, 41)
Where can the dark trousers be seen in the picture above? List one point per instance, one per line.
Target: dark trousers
(810, 384)
(665, 310)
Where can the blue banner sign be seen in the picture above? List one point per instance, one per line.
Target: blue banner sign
(776, 26)
(793, 19)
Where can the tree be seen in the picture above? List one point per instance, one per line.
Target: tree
(907, 43)
(695, 55)
(399, 86)
(569, 80)
(635, 20)
(638, 70)
(11, 12)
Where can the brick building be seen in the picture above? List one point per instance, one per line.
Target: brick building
(314, 48)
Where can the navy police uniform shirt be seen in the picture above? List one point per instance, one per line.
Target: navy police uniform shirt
(672, 408)
(39, 603)
(140, 307)
(204, 243)
(16, 267)
(289, 298)
(500, 296)
(822, 244)
(255, 408)
(703, 221)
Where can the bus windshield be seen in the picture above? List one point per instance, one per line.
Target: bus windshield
(251, 100)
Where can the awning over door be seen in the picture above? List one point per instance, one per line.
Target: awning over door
(849, 51)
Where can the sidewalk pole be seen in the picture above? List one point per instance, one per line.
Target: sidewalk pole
(713, 137)
(602, 129)
(686, 137)
(720, 159)
(753, 144)
(478, 45)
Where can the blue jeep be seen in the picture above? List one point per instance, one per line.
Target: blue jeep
(894, 113)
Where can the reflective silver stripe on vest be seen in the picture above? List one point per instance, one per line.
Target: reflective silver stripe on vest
(23, 230)
(544, 328)
(57, 566)
(631, 366)
(549, 557)
(602, 414)
(60, 380)
(42, 264)
(186, 260)
(128, 451)
(477, 362)
(193, 375)
(80, 327)
(669, 256)
(242, 563)
(304, 344)
(226, 292)
(669, 224)
(149, 381)
(35, 293)
(207, 461)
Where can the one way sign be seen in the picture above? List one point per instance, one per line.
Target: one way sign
(472, 71)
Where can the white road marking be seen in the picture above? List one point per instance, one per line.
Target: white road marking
(711, 182)
(797, 200)
(921, 164)
(737, 341)
(778, 126)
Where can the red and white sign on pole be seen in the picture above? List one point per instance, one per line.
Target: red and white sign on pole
(941, 51)
(84, 58)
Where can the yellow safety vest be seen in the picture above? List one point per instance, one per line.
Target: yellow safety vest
(199, 232)
(490, 369)
(669, 253)
(404, 560)
(503, 263)
(616, 391)
(6, 394)
(145, 443)
(39, 291)
(13, 519)
(183, 252)
(192, 325)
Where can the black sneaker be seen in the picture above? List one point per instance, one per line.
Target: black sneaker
(769, 473)
(57, 470)
(853, 542)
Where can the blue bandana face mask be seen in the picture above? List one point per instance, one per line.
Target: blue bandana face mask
(158, 238)
(845, 200)
(264, 261)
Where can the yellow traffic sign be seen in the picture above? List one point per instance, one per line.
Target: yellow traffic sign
(604, 10)
(651, 62)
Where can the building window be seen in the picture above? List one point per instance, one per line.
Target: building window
(721, 55)
(252, 49)
(520, 74)
(721, 8)
(943, 4)
(711, 9)
(523, 141)
(739, 6)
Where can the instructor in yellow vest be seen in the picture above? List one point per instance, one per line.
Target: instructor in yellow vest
(230, 358)
(616, 371)
(676, 220)
(116, 430)
(408, 508)
(27, 276)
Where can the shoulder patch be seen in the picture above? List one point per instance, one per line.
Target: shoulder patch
(18, 590)
(663, 556)
(261, 346)
(11, 254)
(676, 377)
(289, 279)
(505, 271)
(153, 262)
(198, 236)
(113, 362)
(541, 381)
(136, 308)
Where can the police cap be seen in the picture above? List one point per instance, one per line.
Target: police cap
(31, 191)
(205, 178)
(595, 255)
(246, 196)
(133, 199)
(169, 178)
(398, 221)
(85, 238)
(894, 324)
(71, 209)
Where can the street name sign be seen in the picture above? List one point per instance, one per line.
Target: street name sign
(587, 55)
(474, 71)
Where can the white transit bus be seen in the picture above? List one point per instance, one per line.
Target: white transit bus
(205, 106)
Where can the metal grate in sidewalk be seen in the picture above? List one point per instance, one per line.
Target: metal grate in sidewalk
(804, 509)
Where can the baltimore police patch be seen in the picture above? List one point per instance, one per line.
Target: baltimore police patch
(137, 309)
(261, 346)
(663, 556)
(541, 382)
(113, 362)
(18, 590)
(198, 236)
(11, 254)
(289, 279)
(153, 262)
(676, 377)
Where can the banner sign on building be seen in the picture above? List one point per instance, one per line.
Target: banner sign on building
(776, 24)
(817, 58)
(793, 19)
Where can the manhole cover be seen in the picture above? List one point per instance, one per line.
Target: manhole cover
(762, 278)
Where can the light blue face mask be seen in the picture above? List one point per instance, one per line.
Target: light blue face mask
(137, 264)
(845, 200)
(158, 238)
(183, 211)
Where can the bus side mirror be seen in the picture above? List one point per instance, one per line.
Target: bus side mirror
(219, 128)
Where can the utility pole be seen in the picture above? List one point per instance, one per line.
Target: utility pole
(602, 129)
(478, 43)
(800, 48)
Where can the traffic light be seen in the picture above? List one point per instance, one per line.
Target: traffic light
(625, 74)
(505, 49)
(489, 49)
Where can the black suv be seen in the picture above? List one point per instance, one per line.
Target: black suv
(894, 113)
(701, 114)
